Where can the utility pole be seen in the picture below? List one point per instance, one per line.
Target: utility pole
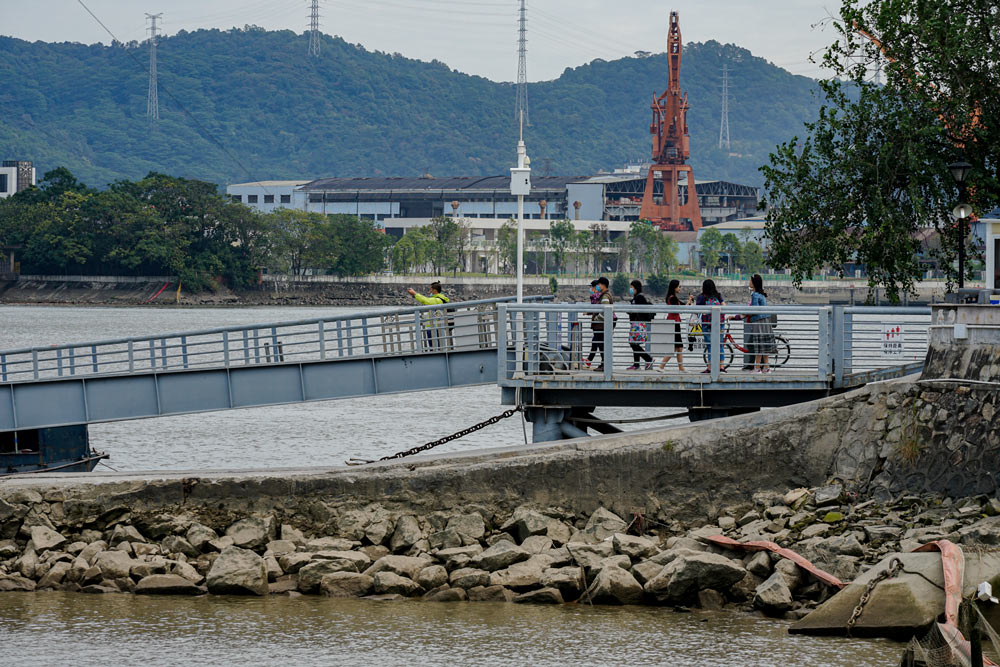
(152, 102)
(522, 68)
(724, 125)
(314, 29)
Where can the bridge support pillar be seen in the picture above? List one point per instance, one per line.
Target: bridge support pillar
(546, 423)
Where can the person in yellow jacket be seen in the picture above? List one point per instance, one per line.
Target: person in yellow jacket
(436, 321)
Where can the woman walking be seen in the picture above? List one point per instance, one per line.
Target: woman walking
(674, 300)
(709, 297)
(601, 295)
(759, 333)
(638, 331)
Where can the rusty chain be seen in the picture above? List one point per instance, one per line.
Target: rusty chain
(448, 438)
(895, 565)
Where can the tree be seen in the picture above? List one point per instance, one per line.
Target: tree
(294, 234)
(595, 246)
(731, 247)
(872, 170)
(619, 284)
(710, 243)
(507, 246)
(752, 257)
(561, 236)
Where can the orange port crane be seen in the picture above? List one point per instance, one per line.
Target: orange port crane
(671, 150)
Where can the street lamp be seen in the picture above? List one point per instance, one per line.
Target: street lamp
(960, 171)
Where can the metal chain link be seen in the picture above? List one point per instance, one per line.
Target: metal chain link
(895, 565)
(448, 438)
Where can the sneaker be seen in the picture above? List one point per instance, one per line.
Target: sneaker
(600, 369)
(707, 370)
(633, 367)
(649, 366)
(586, 363)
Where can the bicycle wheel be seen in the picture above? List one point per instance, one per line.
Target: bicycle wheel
(784, 352)
(727, 357)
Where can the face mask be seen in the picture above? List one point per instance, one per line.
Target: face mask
(631, 290)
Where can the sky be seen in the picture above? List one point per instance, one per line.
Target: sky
(473, 36)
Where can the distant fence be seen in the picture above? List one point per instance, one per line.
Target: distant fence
(131, 280)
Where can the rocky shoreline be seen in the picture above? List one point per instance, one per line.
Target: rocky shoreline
(540, 555)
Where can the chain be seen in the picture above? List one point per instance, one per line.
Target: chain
(448, 438)
(895, 565)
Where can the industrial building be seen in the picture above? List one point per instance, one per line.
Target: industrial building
(603, 198)
(15, 175)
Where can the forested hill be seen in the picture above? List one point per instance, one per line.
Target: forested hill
(282, 114)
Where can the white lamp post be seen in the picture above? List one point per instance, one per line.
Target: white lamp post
(520, 185)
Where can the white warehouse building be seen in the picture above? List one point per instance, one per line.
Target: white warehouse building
(15, 175)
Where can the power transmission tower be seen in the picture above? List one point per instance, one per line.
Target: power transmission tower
(314, 29)
(522, 68)
(152, 102)
(724, 125)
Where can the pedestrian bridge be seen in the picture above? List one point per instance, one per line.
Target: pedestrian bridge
(822, 350)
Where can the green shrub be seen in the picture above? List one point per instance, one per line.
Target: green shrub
(619, 284)
(553, 284)
(657, 284)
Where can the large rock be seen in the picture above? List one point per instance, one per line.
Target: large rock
(540, 596)
(468, 577)
(590, 555)
(358, 560)
(449, 538)
(10, 583)
(445, 594)
(567, 579)
(521, 576)
(537, 544)
(404, 566)
(389, 583)
(499, 556)
(432, 577)
(687, 574)
(646, 570)
(186, 570)
(114, 564)
(331, 544)
(174, 544)
(292, 563)
(8, 549)
(772, 596)
(604, 523)
(55, 575)
(526, 522)
(470, 526)
(124, 533)
(346, 585)
(613, 585)
(46, 538)
(311, 575)
(900, 606)
(166, 584)
(985, 531)
(636, 548)
(490, 594)
(407, 533)
(199, 536)
(237, 571)
(252, 532)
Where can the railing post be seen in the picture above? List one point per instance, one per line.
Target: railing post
(715, 343)
(848, 349)
(163, 352)
(322, 340)
(131, 358)
(501, 341)
(552, 319)
(59, 362)
(608, 358)
(34, 363)
(837, 345)
(184, 351)
(3, 367)
(532, 342)
(417, 326)
(72, 361)
(274, 343)
(340, 338)
(823, 339)
(225, 348)
(93, 356)
(256, 346)
(152, 354)
(364, 334)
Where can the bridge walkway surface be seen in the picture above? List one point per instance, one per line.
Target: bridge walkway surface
(401, 350)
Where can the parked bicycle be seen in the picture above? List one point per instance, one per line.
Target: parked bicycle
(730, 345)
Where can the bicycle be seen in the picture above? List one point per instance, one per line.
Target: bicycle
(728, 342)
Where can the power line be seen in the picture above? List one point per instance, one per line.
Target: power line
(205, 133)
(724, 124)
(314, 29)
(152, 101)
(522, 66)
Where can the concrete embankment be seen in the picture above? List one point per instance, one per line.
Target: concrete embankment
(384, 291)
(617, 520)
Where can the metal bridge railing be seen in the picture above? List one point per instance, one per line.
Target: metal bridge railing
(586, 343)
(460, 326)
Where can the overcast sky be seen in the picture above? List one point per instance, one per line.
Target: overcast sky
(474, 36)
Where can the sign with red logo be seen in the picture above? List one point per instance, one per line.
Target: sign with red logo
(893, 340)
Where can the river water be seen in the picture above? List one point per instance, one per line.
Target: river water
(74, 629)
(61, 629)
(310, 434)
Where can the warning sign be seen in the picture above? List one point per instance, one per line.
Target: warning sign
(893, 340)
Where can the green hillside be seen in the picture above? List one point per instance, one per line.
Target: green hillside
(280, 114)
